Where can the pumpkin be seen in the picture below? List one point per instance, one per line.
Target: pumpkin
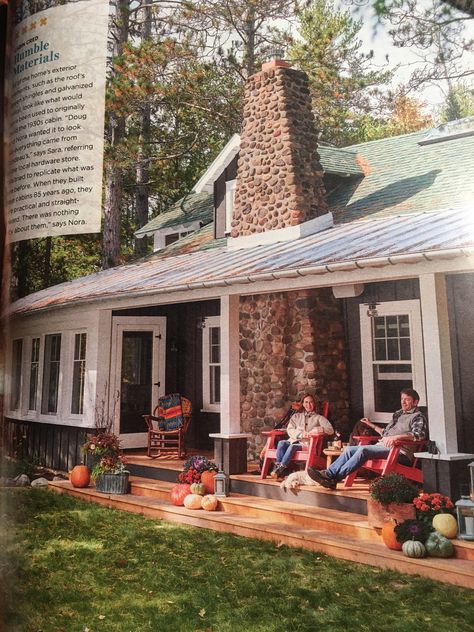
(193, 501)
(209, 502)
(207, 479)
(179, 492)
(414, 548)
(198, 488)
(445, 524)
(80, 476)
(389, 536)
(439, 546)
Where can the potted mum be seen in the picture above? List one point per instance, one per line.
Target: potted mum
(391, 497)
(109, 471)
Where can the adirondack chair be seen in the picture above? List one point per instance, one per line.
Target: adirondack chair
(389, 464)
(311, 454)
(168, 425)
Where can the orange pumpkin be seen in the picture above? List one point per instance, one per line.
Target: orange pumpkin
(388, 536)
(178, 493)
(80, 476)
(207, 479)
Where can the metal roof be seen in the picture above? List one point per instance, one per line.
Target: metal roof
(448, 233)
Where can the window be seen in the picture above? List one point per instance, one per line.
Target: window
(51, 366)
(229, 204)
(34, 374)
(173, 237)
(392, 356)
(79, 373)
(211, 361)
(16, 373)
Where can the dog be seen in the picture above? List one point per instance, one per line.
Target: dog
(294, 480)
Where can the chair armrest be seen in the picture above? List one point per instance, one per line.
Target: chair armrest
(274, 433)
(365, 439)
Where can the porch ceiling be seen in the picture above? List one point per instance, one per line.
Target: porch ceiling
(403, 239)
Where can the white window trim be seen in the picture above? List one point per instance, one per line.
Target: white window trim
(230, 186)
(209, 322)
(391, 308)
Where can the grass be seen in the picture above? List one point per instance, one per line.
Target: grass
(70, 566)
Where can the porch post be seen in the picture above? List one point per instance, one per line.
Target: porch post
(438, 362)
(230, 445)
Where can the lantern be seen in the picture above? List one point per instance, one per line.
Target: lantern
(221, 484)
(465, 515)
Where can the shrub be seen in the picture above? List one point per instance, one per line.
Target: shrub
(393, 488)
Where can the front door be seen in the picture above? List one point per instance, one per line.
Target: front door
(139, 375)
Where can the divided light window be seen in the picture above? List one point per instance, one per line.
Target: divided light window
(79, 373)
(16, 374)
(51, 367)
(211, 344)
(34, 374)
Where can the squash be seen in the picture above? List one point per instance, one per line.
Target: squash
(207, 479)
(389, 536)
(209, 502)
(198, 488)
(80, 476)
(179, 492)
(193, 501)
(439, 546)
(414, 548)
(446, 524)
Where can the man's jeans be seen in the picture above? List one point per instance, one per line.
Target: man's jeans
(355, 456)
(285, 451)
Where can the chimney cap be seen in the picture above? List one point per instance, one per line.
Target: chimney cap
(275, 63)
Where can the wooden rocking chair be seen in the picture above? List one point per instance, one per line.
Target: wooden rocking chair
(162, 441)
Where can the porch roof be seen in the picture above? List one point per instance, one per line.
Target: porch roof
(361, 243)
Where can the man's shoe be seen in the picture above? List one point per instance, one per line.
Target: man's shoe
(320, 476)
(276, 472)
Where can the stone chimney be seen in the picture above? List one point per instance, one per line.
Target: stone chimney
(279, 176)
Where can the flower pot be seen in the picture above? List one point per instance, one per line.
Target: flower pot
(80, 476)
(377, 513)
(112, 483)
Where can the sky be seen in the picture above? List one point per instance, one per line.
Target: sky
(381, 44)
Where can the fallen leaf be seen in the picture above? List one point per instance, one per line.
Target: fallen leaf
(320, 609)
(427, 619)
(361, 589)
(202, 612)
(337, 594)
(101, 616)
(168, 601)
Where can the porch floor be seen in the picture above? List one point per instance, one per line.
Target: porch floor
(265, 514)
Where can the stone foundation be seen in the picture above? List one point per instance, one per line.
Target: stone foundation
(290, 343)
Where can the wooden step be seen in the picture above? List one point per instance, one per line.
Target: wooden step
(320, 535)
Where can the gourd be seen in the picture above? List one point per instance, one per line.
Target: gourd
(80, 476)
(198, 488)
(439, 546)
(193, 501)
(209, 502)
(445, 524)
(389, 536)
(414, 548)
(207, 479)
(179, 492)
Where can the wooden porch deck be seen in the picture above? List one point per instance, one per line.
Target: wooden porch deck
(315, 518)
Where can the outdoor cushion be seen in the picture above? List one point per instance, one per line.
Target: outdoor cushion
(169, 409)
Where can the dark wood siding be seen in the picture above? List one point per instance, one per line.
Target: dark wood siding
(230, 173)
(461, 318)
(379, 292)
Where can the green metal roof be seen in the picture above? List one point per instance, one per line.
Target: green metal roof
(341, 162)
(191, 208)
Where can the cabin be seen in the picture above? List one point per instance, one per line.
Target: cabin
(290, 267)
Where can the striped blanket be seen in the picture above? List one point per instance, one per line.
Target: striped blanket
(169, 409)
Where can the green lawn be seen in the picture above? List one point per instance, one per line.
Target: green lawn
(70, 566)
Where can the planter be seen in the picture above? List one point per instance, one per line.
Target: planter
(112, 483)
(377, 513)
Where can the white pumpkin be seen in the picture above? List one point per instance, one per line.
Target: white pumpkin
(209, 502)
(193, 501)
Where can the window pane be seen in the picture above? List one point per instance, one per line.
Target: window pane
(215, 384)
(34, 373)
(16, 373)
(387, 391)
(79, 372)
(405, 349)
(392, 326)
(215, 349)
(136, 379)
(379, 327)
(380, 352)
(52, 356)
(392, 349)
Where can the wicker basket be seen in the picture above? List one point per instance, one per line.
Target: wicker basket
(112, 483)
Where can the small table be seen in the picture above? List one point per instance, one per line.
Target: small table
(331, 455)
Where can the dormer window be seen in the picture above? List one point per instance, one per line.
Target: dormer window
(229, 204)
(172, 237)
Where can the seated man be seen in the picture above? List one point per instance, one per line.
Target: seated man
(408, 424)
(300, 427)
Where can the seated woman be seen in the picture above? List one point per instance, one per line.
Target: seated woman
(300, 427)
